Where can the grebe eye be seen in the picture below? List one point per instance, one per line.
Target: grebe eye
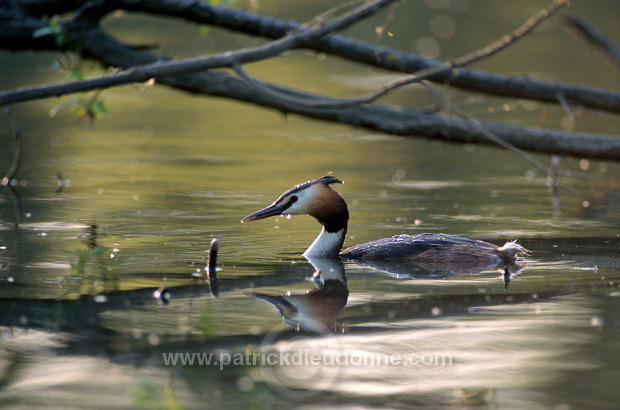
(293, 199)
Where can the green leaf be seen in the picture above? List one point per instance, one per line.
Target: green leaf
(43, 31)
(97, 109)
(76, 74)
(64, 106)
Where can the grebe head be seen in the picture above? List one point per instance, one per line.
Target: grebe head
(315, 198)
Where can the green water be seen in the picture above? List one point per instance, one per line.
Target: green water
(166, 173)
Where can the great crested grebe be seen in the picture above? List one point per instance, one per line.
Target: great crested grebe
(316, 198)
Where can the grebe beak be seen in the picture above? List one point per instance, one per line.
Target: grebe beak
(271, 210)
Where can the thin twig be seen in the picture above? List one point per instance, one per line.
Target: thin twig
(478, 127)
(596, 37)
(566, 107)
(515, 35)
(10, 174)
(552, 181)
(17, 152)
(321, 18)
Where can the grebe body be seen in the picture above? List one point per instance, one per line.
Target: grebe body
(316, 198)
(435, 248)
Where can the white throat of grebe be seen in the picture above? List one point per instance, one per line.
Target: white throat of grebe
(315, 198)
(326, 245)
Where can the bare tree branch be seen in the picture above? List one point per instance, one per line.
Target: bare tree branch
(141, 66)
(384, 57)
(18, 35)
(161, 69)
(391, 120)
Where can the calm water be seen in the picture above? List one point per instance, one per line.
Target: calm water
(149, 187)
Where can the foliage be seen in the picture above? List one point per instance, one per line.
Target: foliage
(94, 271)
(62, 36)
(206, 323)
(90, 108)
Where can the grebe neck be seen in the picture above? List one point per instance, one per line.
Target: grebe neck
(333, 215)
(327, 245)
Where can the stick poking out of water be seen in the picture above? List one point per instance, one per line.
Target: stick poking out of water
(212, 265)
(211, 268)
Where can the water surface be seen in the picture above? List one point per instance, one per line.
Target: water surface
(146, 189)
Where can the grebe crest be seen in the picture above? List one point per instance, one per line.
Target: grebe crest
(316, 198)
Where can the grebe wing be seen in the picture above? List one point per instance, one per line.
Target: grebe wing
(411, 246)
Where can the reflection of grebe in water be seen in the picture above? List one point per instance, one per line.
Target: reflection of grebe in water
(317, 310)
(316, 198)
